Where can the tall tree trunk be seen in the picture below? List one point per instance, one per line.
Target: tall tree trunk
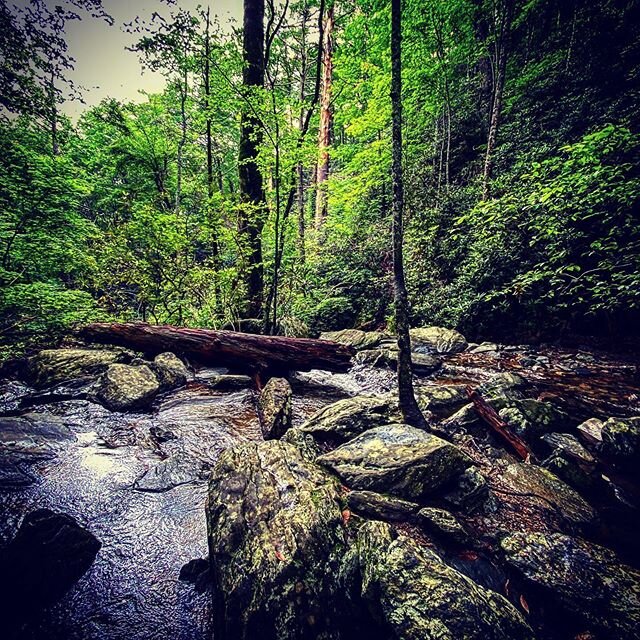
(250, 179)
(215, 243)
(324, 133)
(54, 115)
(501, 49)
(300, 168)
(408, 405)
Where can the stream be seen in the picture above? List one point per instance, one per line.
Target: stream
(138, 481)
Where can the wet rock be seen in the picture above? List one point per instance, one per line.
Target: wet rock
(52, 366)
(567, 468)
(397, 459)
(373, 357)
(276, 537)
(591, 431)
(170, 371)
(161, 435)
(462, 418)
(531, 419)
(14, 475)
(165, 475)
(621, 442)
(350, 417)
(503, 388)
(587, 580)
(569, 446)
(437, 339)
(47, 556)
(470, 490)
(196, 572)
(33, 435)
(442, 523)
(124, 388)
(304, 442)
(381, 507)
(11, 394)
(422, 363)
(274, 406)
(554, 494)
(355, 338)
(490, 348)
(441, 398)
(231, 382)
(412, 594)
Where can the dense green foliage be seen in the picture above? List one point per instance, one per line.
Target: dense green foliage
(117, 215)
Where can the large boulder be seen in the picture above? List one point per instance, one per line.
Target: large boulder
(586, 580)
(531, 418)
(350, 417)
(355, 338)
(551, 493)
(411, 593)
(276, 537)
(33, 435)
(437, 339)
(381, 507)
(274, 406)
(621, 442)
(47, 556)
(52, 366)
(170, 371)
(441, 398)
(125, 387)
(397, 459)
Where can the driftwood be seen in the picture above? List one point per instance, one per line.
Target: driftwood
(244, 352)
(491, 417)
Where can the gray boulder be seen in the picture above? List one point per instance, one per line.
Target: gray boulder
(124, 387)
(437, 340)
(397, 459)
(355, 338)
(274, 407)
(587, 580)
(52, 366)
(276, 538)
(170, 371)
(350, 417)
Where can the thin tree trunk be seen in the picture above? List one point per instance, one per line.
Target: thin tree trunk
(215, 243)
(250, 179)
(300, 168)
(500, 66)
(54, 116)
(408, 405)
(324, 133)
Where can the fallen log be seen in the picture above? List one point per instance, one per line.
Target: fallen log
(491, 417)
(243, 352)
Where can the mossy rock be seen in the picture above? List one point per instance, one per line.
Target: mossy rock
(274, 406)
(350, 417)
(588, 581)
(414, 595)
(621, 442)
(355, 338)
(437, 340)
(124, 387)
(276, 537)
(397, 459)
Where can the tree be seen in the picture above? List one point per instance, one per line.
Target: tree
(324, 131)
(251, 189)
(408, 405)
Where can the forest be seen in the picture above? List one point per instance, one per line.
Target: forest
(334, 334)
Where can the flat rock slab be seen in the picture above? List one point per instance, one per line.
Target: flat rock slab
(587, 580)
(350, 417)
(553, 494)
(397, 459)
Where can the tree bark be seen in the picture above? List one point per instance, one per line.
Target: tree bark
(215, 244)
(252, 194)
(242, 352)
(408, 405)
(324, 132)
(501, 49)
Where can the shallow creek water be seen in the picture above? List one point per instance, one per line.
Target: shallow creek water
(138, 483)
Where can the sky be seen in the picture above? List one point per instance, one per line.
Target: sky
(103, 65)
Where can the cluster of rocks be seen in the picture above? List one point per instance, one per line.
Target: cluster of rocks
(355, 522)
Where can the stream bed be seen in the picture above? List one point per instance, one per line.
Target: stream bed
(138, 481)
